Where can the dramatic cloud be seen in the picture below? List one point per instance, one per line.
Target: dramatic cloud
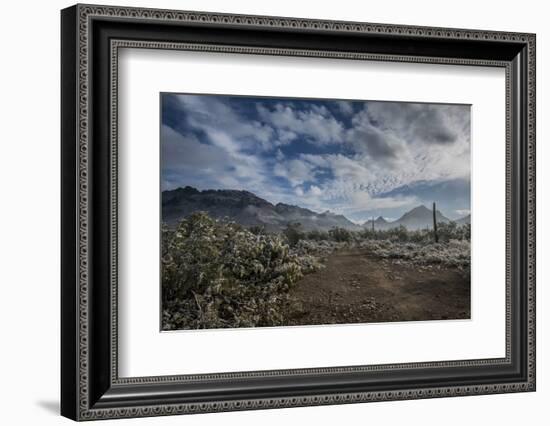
(186, 161)
(358, 158)
(315, 123)
(376, 142)
(221, 123)
(422, 123)
(345, 107)
(295, 171)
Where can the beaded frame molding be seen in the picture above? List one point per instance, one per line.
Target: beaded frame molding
(91, 39)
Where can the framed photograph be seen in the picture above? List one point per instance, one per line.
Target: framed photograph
(263, 212)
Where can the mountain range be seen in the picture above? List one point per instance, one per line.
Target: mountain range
(248, 209)
(418, 218)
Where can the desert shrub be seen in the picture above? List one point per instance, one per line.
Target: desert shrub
(421, 236)
(366, 234)
(317, 235)
(453, 253)
(219, 274)
(446, 232)
(257, 229)
(319, 249)
(399, 234)
(340, 235)
(293, 233)
(216, 273)
(457, 232)
(453, 231)
(466, 232)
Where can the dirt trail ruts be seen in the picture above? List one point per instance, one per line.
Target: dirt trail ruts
(356, 286)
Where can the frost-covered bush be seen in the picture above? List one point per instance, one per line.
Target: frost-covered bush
(317, 235)
(445, 231)
(454, 253)
(320, 248)
(453, 231)
(340, 235)
(220, 274)
(293, 233)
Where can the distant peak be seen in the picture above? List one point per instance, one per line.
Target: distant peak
(420, 208)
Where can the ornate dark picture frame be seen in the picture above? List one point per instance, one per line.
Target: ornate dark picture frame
(90, 385)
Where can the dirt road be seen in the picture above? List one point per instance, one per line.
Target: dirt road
(357, 287)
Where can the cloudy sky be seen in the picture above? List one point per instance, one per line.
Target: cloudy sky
(358, 158)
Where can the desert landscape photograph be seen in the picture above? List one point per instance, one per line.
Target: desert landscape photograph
(298, 212)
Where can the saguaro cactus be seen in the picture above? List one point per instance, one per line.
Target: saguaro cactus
(436, 237)
(373, 224)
